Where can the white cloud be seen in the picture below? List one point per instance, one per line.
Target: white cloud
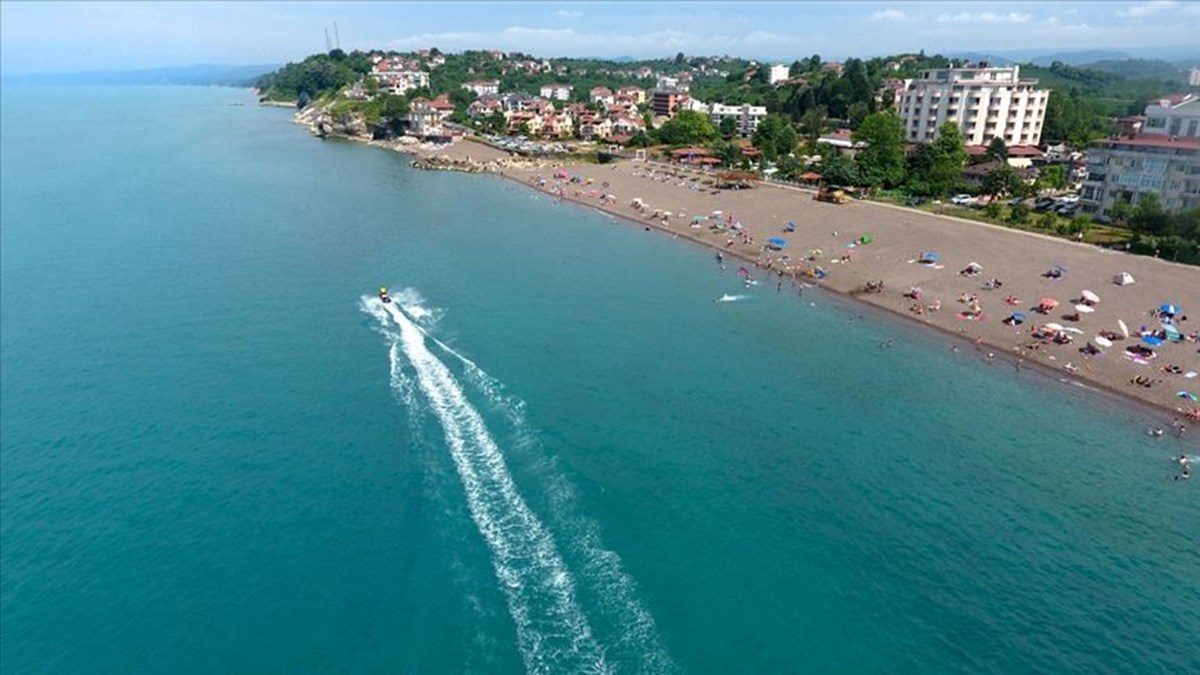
(984, 17)
(567, 14)
(1148, 8)
(887, 15)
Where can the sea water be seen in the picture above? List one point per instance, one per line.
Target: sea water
(553, 452)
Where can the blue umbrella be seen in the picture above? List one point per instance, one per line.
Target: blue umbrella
(777, 241)
(1018, 316)
(1170, 309)
(930, 256)
(1152, 341)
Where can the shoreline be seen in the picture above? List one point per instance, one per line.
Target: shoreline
(490, 160)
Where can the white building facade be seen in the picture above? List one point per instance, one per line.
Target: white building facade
(778, 73)
(746, 116)
(985, 102)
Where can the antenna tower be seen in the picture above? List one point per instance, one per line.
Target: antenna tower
(336, 38)
(328, 44)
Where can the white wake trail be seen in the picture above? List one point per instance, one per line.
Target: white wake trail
(636, 632)
(552, 630)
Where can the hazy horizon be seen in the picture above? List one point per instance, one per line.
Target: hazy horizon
(73, 37)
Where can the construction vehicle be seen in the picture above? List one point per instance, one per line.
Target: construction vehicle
(831, 194)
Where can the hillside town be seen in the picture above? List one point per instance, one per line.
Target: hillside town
(927, 131)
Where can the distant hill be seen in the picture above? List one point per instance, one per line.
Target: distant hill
(201, 74)
(1080, 58)
(1148, 69)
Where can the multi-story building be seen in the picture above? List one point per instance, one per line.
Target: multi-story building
(1163, 160)
(560, 92)
(1194, 77)
(747, 116)
(1175, 115)
(483, 87)
(777, 74)
(665, 102)
(985, 102)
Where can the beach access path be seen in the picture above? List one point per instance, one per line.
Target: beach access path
(898, 238)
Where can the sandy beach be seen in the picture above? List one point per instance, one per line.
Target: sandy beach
(828, 236)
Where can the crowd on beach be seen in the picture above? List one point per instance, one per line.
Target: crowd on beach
(1161, 333)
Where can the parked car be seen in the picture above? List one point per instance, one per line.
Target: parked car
(1015, 200)
(962, 200)
(1043, 204)
(1067, 209)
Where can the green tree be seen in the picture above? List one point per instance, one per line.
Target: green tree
(688, 127)
(1053, 177)
(881, 163)
(840, 170)
(937, 167)
(395, 109)
(730, 154)
(1018, 214)
(727, 127)
(1149, 217)
(1047, 221)
(992, 209)
(1121, 211)
(812, 124)
(1002, 181)
(680, 58)
(997, 149)
(640, 140)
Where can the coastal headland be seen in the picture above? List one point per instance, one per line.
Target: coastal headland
(851, 248)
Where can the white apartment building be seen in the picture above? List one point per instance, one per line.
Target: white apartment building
(559, 92)
(747, 116)
(778, 73)
(1164, 160)
(1194, 77)
(985, 102)
(483, 87)
(1177, 115)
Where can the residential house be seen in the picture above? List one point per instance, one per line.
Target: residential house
(558, 92)
(627, 125)
(601, 96)
(1177, 115)
(636, 93)
(843, 141)
(778, 73)
(483, 87)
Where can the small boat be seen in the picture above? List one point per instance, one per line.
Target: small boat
(383, 294)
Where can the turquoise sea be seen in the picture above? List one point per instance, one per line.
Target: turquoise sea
(554, 453)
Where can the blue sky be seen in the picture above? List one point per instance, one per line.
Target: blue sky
(45, 36)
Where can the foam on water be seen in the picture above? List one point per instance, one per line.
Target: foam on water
(637, 635)
(552, 630)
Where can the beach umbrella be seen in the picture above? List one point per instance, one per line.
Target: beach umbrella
(1123, 327)
(1048, 303)
(1017, 316)
(777, 241)
(1072, 329)
(866, 239)
(1188, 395)
(1090, 296)
(1152, 341)
(1102, 341)
(1169, 309)
(1084, 309)
(1053, 327)
(930, 256)
(975, 266)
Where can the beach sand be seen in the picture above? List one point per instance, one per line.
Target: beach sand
(1018, 259)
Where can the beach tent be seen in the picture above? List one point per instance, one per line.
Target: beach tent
(1123, 279)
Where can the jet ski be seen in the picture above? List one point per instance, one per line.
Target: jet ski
(383, 295)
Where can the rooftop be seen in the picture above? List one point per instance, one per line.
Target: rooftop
(1154, 141)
